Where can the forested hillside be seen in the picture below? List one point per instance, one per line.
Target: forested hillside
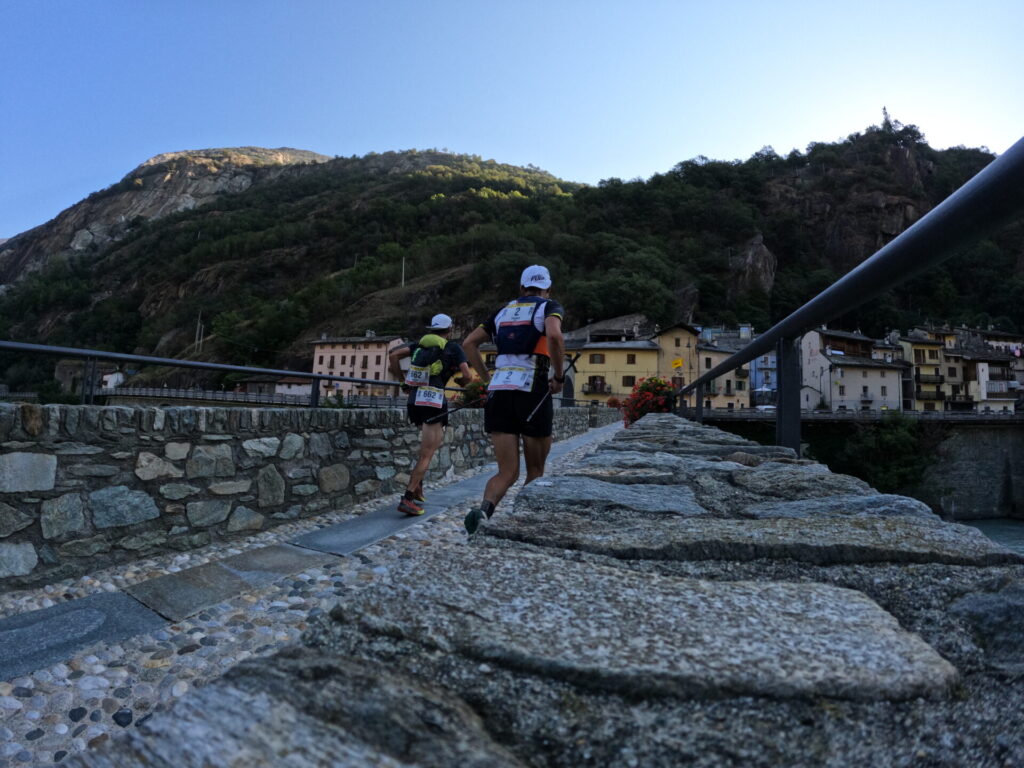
(323, 250)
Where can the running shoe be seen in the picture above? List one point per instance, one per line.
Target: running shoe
(472, 521)
(410, 507)
(418, 493)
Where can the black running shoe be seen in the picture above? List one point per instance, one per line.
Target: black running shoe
(472, 521)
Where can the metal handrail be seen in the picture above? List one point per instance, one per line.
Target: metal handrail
(91, 355)
(994, 194)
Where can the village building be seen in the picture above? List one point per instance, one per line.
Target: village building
(845, 371)
(362, 357)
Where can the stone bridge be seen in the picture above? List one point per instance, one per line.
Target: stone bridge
(678, 596)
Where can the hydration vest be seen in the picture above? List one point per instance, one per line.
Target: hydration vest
(515, 331)
(426, 364)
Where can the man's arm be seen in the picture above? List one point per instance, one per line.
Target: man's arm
(471, 346)
(396, 354)
(465, 375)
(556, 350)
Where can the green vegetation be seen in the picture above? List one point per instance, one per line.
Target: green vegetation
(890, 455)
(324, 246)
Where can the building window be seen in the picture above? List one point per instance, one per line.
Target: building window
(376, 375)
(929, 406)
(321, 360)
(863, 374)
(707, 363)
(841, 373)
(597, 359)
(679, 342)
(331, 363)
(677, 382)
(365, 358)
(628, 381)
(864, 390)
(342, 359)
(842, 390)
(884, 392)
(918, 355)
(933, 354)
(883, 374)
(739, 386)
(378, 360)
(952, 373)
(630, 359)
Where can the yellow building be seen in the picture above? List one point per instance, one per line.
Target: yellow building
(677, 354)
(927, 357)
(731, 390)
(608, 369)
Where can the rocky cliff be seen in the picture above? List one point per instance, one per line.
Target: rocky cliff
(167, 183)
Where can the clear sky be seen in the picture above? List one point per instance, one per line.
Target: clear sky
(586, 89)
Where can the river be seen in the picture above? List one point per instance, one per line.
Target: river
(1005, 531)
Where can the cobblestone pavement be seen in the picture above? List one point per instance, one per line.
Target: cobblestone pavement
(82, 701)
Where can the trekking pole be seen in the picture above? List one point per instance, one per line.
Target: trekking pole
(570, 367)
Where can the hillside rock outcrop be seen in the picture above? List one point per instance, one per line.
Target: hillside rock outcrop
(164, 184)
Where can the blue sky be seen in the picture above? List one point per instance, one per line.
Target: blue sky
(586, 89)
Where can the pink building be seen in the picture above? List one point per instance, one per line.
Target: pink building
(363, 357)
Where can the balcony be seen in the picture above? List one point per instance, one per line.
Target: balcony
(926, 394)
(867, 397)
(961, 399)
(597, 389)
(995, 374)
(998, 390)
(928, 378)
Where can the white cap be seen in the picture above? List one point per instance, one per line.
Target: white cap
(536, 277)
(440, 323)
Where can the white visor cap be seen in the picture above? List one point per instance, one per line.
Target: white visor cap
(536, 277)
(440, 323)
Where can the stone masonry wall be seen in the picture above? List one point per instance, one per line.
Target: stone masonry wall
(83, 487)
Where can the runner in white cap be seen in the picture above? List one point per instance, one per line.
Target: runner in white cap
(528, 368)
(435, 358)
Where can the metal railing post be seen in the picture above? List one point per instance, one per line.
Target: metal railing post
(787, 417)
(699, 410)
(314, 394)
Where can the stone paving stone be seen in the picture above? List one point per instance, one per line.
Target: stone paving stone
(259, 567)
(180, 595)
(36, 640)
(641, 635)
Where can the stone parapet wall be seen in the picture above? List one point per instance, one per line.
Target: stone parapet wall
(602, 416)
(83, 487)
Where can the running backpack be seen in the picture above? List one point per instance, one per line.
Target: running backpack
(515, 332)
(426, 360)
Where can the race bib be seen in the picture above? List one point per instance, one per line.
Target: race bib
(516, 314)
(511, 378)
(417, 377)
(431, 397)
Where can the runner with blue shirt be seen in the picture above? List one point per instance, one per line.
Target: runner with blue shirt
(528, 369)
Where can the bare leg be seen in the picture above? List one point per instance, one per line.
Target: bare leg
(535, 452)
(506, 452)
(431, 438)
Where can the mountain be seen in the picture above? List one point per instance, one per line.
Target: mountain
(383, 241)
(165, 184)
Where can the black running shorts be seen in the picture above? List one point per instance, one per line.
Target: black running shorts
(420, 413)
(508, 412)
